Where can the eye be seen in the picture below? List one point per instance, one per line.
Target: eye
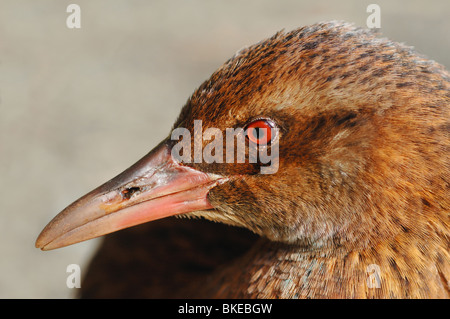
(260, 132)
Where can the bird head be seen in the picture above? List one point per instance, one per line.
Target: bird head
(343, 147)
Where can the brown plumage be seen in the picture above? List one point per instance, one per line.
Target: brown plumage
(363, 174)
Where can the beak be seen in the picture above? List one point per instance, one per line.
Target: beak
(155, 187)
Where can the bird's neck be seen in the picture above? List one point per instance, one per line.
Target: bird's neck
(272, 270)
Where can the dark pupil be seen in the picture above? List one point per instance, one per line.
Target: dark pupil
(258, 133)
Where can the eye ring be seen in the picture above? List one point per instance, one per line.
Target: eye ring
(260, 131)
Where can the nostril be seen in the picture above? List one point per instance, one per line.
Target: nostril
(128, 192)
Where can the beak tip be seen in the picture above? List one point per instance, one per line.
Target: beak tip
(42, 241)
(44, 246)
(39, 243)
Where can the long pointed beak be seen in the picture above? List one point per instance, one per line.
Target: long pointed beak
(153, 188)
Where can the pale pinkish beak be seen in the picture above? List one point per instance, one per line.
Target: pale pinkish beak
(155, 187)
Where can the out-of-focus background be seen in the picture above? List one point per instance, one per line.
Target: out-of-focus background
(77, 106)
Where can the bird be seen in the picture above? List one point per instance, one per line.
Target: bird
(357, 205)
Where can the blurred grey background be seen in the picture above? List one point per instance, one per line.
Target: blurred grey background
(77, 106)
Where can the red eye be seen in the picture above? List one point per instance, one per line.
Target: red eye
(260, 132)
